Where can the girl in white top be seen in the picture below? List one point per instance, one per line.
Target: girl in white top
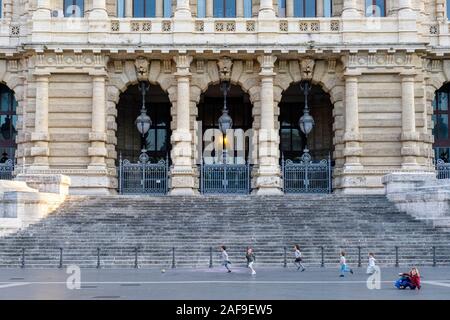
(226, 260)
(371, 266)
(298, 258)
(343, 265)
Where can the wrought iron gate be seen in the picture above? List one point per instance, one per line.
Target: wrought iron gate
(143, 177)
(7, 170)
(225, 178)
(443, 169)
(307, 176)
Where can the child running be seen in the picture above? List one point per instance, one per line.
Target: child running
(371, 267)
(226, 260)
(344, 266)
(250, 256)
(298, 258)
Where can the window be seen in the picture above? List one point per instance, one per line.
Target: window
(282, 8)
(375, 8)
(120, 8)
(201, 8)
(1, 9)
(224, 8)
(441, 115)
(448, 9)
(144, 8)
(304, 8)
(8, 123)
(247, 8)
(327, 8)
(167, 8)
(74, 8)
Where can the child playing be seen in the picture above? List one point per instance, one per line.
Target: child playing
(226, 260)
(343, 264)
(298, 258)
(371, 266)
(409, 280)
(250, 256)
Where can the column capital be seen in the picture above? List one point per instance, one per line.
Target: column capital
(267, 63)
(183, 64)
(266, 10)
(183, 10)
(98, 11)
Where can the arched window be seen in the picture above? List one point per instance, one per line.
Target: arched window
(8, 123)
(144, 8)
(167, 8)
(304, 8)
(74, 8)
(327, 8)
(441, 131)
(247, 8)
(120, 8)
(375, 8)
(282, 8)
(224, 8)
(201, 8)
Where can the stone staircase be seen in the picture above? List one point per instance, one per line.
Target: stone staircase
(192, 225)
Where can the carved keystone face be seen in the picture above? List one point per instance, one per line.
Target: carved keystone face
(142, 68)
(225, 65)
(307, 68)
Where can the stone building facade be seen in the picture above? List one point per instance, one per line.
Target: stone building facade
(68, 75)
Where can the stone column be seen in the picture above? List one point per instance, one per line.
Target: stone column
(319, 8)
(97, 136)
(128, 8)
(209, 8)
(289, 8)
(350, 9)
(40, 136)
(43, 10)
(409, 136)
(268, 181)
(239, 8)
(440, 10)
(98, 10)
(183, 10)
(266, 9)
(159, 8)
(182, 173)
(352, 137)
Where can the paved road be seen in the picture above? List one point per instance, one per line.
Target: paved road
(215, 284)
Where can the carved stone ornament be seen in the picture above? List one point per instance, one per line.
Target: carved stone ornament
(307, 68)
(142, 65)
(225, 64)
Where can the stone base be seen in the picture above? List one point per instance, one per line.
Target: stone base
(57, 183)
(268, 181)
(400, 182)
(183, 182)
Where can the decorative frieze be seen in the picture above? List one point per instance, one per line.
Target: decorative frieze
(380, 60)
(78, 60)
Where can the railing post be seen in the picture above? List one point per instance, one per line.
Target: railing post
(98, 258)
(322, 263)
(60, 258)
(330, 183)
(136, 265)
(285, 257)
(210, 257)
(22, 264)
(396, 257)
(173, 257)
(359, 257)
(120, 173)
(434, 256)
(282, 171)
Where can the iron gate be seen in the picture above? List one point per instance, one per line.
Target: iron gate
(307, 176)
(225, 178)
(143, 177)
(7, 170)
(443, 169)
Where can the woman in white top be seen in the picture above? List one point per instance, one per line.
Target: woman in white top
(225, 259)
(298, 258)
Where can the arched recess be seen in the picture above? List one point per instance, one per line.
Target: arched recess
(11, 78)
(122, 75)
(244, 75)
(240, 110)
(328, 76)
(8, 124)
(292, 140)
(157, 140)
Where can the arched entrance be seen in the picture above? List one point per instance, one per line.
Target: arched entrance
(8, 132)
(310, 172)
(143, 160)
(225, 172)
(441, 131)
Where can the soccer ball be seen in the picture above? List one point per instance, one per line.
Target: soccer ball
(163, 270)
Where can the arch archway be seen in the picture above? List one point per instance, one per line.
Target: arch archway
(292, 140)
(240, 110)
(441, 128)
(157, 140)
(8, 124)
